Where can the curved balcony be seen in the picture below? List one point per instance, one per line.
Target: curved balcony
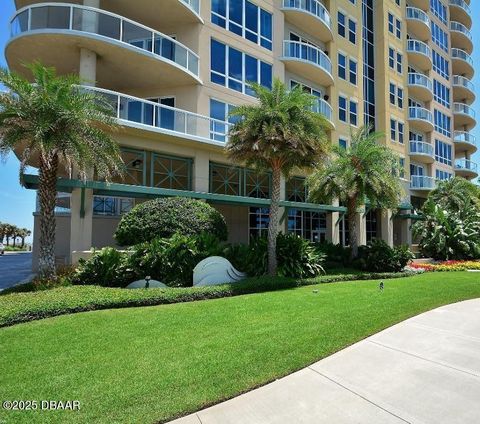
(422, 152)
(324, 108)
(420, 86)
(130, 54)
(418, 23)
(462, 63)
(422, 183)
(460, 12)
(308, 61)
(463, 90)
(146, 115)
(466, 168)
(311, 16)
(463, 116)
(147, 11)
(465, 142)
(420, 4)
(420, 118)
(419, 55)
(461, 37)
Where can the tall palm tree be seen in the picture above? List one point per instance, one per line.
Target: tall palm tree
(364, 170)
(278, 134)
(451, 194)
(23, 234)
(55, 123)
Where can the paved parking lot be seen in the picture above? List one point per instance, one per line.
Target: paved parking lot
(14, 268)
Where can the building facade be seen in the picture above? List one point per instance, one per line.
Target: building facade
(173, 69)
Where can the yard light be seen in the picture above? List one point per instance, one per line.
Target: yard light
(147, 281)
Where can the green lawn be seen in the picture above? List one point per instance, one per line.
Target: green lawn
(149, 364)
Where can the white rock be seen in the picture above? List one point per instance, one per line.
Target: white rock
(141, 284)
(215, 270)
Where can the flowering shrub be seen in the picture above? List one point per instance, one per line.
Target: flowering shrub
(448, 266)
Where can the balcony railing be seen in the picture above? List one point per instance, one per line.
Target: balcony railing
(323, 107)
(464, 137)
(421, 148)
(458, 80)
(417, 46)
(82, 19)
(415, 112)
(313, 7)
(417, 14)
(414, 78)
(133, 111)
(463, 55)
(464, 109)
(466, 165)
(458, 27)
(307, 53)
(461, 4)
(193, 4)
(422, 182)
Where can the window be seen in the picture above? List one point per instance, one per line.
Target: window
(296, 189)
(417, 170)
(353, 71)
(439, 37)
(343, 143)
(442, 123)
(393, 129)
(306, 89)
(171, 172)
(398, 28)
(112, 206)
(440, 65)
(391, 57)
(219, 111)
(391, 23)
(394, 26)
(368, 47)
(443, 152)
(439, 10)
(342, 108)
(400, 127)
(396, 95)
(399, 63)
(342, 66)
(401, 162)
(309, 225)
(258, 221)
(232, 68)
(397, 2)
(353, 112)
(397, 130)
(341, 24)
(244, 18)
(352, 31)
(371, 225)
(442, 175)
(441, 93)
(393, 94)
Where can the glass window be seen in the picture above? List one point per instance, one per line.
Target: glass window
(391, 57)
(352, 31)
(443, 152)
(442, 123)
(341, 24)
(439, 10)
(399, 63)
(353, 112)
(353, 71)
(343, 143)
(441, 93)
(400, 97)
(400, 127)
(439, 37)
(393, 130)
(258, 221)
(441, 65)
(398, 28)
(392, 93)
(296, 189)
(171, 172)
(342, 66)
(391, 23)
(342, 108)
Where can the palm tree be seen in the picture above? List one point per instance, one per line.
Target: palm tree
(278, 134)
(23, 234)
(55, 123)
(9, 232)
(451, 194)
(365, 170)
(3, 228)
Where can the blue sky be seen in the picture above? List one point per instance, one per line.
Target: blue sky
(17, 203)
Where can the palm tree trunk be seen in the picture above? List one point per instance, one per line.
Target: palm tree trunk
(273, 222)
(352, 226)
(23, 242)
(47, 193)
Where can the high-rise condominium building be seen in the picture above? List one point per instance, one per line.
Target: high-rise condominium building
(173, 69)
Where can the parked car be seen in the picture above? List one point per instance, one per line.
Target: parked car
(2, 249)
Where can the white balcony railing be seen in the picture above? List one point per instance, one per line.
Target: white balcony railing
(415, 112)
(418, 15)
(422, 182)
(464, 109)
(323, 107)
(458, 27)
(82, 19)
(313, 7)
(466, 165)
(417, 46)
(421, 148)
(463, 55)
(462, 4)
(307, 53)
(460, 81)
(464, 137)
(414, 78)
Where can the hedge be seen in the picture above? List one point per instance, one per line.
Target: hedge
(21, 307)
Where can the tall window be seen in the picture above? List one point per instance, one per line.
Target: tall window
(244, 18)
(232, 68)
(442, 175)
(443, 152)
(441, 93)
(438, 8)
(368, 40)
(440, 65)
(258, 221)
(439, 37)
(443, 123)
(219, 112)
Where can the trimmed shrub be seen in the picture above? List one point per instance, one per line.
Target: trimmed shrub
(336, 255)
(168, 216)
(378, 256)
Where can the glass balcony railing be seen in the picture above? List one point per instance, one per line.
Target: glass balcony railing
(422, 182)
(415, 112)
(307, 53)
(464, 137)
(323, 107)
(421, 148)
(461, 4)
(463, 55)
(464, 109)
(414, 78)
(466, 165)
(460, 81)
(417, 46)
(313, 7)
(82, 19)
(458, 27)
(417, 14)
(133, 111)
(193, 4)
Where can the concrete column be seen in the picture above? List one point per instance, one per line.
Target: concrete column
(361, 228)
(333, 226)
(406, 232)
(88, 67)
(92, 3)
(386, 226)
(202, 171)
(81, 220)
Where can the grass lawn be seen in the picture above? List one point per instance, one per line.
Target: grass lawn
(150, 364)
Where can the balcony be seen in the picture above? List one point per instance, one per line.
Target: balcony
(311, 16)
(463, 90)
(324, 108)
(131, 54)
(420, 118)
(420, 87)
(420, 4)
(418, 23)
(422, 152)
(461, 37)
(466, 168)
(308, 61)
(465, 142)
(419, 55)
(422, 183)
(460, 12)
(175, 124)
(462, 63)
(463, 116)
(180, 12)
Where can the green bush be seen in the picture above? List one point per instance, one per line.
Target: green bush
(166, 217)
(336, 255)
(378, 256)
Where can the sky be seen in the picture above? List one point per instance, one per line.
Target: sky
(17, 204)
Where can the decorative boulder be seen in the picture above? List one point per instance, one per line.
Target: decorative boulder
(215, 270)
(142, 284)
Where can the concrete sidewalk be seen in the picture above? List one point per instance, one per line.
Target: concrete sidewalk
(424, 370)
